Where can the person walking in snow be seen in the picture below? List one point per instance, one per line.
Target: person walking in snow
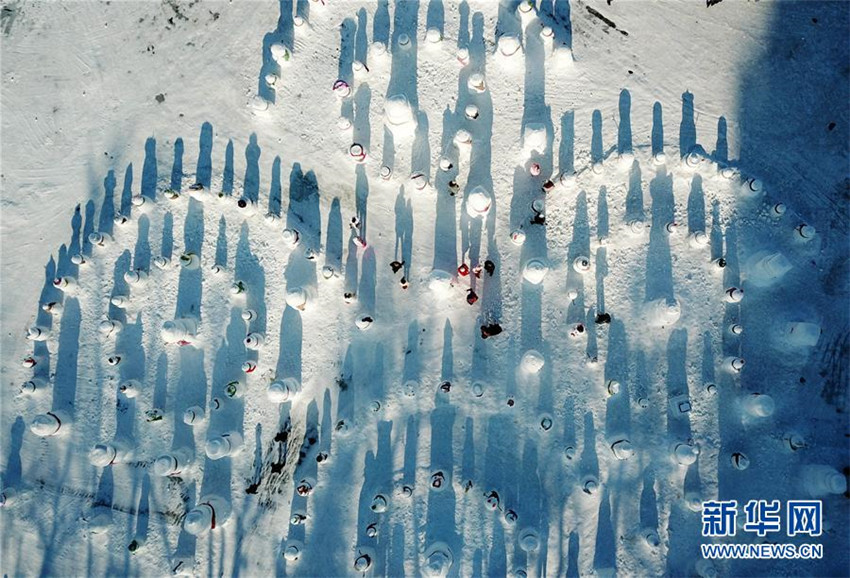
(490, 330)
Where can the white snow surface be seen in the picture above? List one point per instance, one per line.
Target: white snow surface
(107, 106)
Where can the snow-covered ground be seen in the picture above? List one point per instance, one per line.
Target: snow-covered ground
(686, 147)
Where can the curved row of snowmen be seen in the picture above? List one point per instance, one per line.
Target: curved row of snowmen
(211, 511)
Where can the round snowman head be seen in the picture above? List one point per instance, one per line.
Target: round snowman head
(760, 405)
(538, 206)
(254, 341)
(296, 298)
(218, 448)
(342, 89)
(189, 261)
(532, 361)
(199, 519)
(102, 455)
(686, 454)
(529, 541)
(740, 461)
(357, 151)
(478, 203)
(30, 386)
(410, 387)
(581, 264)
(806, 232)
(438, 480)
(836, 483)
(700, 239)
(693, 159)
(280, 53)
(7, 497)
(193, 415)
(172, 332)
(462, 137)
(34, 333)
(281, 391)
(795, 441)
(120, 301)
(651, 537)
(508, 45)
(476, 83)
(436, 565)
(535, 271)
(419, 181)
(622, 449)
(290, 237)
(734, 294)
(291, 553)
(165, 465)
(669, 312)
(438, 560)
(398, 113)
(379, 504)
(161, 262)
(133, 277)
(46, 424)
(362, 563)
